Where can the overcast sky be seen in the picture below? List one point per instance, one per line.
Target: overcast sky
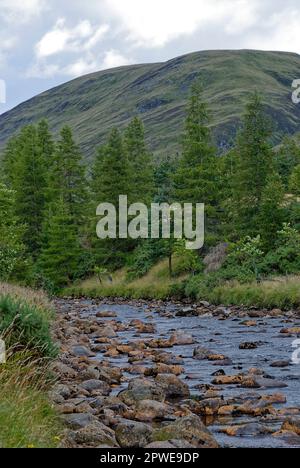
(47, 42)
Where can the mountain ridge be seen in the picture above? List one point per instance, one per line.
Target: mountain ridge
(157, 92)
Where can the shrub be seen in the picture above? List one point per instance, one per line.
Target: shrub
(25, 325)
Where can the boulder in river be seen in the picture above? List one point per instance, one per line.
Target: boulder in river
(172, 386)
(133, 434)
(190, 429)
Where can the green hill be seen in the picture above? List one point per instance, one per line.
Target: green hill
(95, 103)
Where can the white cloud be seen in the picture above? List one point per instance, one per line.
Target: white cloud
(20, 11)
(155, 23)
(113, 59)
(89, 64)
(83, 36)
(281, 33)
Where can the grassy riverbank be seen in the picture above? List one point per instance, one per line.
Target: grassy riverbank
(27, 418)
(280, 292)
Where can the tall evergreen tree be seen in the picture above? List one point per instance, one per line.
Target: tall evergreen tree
(60, 250)
(197, 179)
(141, 171)
(287, 158)
(271, 214)
(11, 247)
(254, 165)
(110, 180)
(29, 181)
(294, 181)
(67, 177)
(45, 142)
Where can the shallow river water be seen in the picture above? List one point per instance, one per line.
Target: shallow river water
(222, 337)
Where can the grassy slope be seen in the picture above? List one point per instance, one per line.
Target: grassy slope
(26, 417)
(93, 104)
(283, 292)
(154, 285)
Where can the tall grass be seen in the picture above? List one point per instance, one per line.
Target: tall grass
(283, 293)
(27, 418)
(156, 284)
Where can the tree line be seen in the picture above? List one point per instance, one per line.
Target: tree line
(48, 196)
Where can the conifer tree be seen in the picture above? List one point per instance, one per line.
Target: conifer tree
(67, 177)
(29, 182)
(197, 179)
(141, 171)
(271, 214)
(254, 165)
(12, 250)
(60, 251)
(110, 180)
(294, 181)
(45, 142)
(287, 158)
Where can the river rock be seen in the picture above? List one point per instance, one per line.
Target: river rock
(149, 410)
(173, 386)
(141, 389)
(170, 444)
(95, 434)
(132, 434)
(291, 331)
(292, 424)
(106, 332)
(246, 430)
(82, 351)
(280, 364)
(63, 371)
(78, 421)
(181, 339)
(106, 314)
(190, 429)
(96, 385)
(201, 353)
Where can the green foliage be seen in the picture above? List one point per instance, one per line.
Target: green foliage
(271, 213)
(187, 261)
(197, 179)
(285, 257)
(25, 172)
(11, 246)
(294, 181)
(59, 256)
(253, 168)
(141, 175)
(67, 177)
(287, 158)
(145, 257)
(26, 326)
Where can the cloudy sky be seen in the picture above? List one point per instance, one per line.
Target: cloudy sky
(47, 42)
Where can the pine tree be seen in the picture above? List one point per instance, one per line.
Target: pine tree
(110, 180)
(287, 158)
(197, 179)
(254, 165)
(67, 177)
(141, 171)
(60, 251)
(114, 179)
(294, 181)
(12, 250)
(28, 180)
(45, 142)
(271, 214)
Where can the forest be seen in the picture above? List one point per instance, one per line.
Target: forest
(251, 191)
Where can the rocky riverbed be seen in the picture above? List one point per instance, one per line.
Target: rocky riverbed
(137, 374)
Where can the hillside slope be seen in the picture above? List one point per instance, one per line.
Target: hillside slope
(93, 104)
